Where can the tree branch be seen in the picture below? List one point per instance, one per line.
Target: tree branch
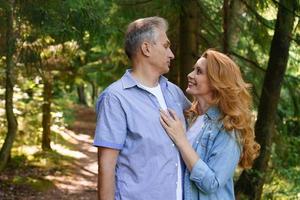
(287, 9)
(261, 19)
(256, 65)
(134, 3)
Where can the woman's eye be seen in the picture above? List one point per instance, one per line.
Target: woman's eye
(198, 71)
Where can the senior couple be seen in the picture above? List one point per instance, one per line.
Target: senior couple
(153, 144)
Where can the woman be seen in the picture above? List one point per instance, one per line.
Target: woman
(221, 133)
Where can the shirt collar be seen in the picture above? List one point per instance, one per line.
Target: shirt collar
(213, 113)
(128, 81)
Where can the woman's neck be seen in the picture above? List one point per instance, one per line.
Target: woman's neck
(203, 106)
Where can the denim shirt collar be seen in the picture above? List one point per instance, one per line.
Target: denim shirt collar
(213, 113)
(128, 81)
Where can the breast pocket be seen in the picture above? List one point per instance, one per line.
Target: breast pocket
(207, 141)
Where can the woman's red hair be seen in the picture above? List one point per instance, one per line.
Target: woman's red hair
(231, 95)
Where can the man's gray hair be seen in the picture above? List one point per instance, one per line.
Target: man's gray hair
(143, 30)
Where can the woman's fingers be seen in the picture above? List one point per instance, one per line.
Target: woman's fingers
(163, 123)
(173, 113)
(166, 117)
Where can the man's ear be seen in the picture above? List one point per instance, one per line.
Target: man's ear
(146, 48)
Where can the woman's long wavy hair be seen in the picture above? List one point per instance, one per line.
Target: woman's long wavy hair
(231, 95)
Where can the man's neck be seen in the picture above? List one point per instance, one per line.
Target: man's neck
(145, 76)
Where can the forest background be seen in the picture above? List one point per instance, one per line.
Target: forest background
(57, 54)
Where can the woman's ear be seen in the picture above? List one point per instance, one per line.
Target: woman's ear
(146, 48)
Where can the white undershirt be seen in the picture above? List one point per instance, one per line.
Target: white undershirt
(156, 91)
(194, 130)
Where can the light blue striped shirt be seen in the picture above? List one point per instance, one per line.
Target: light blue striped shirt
(128, 120)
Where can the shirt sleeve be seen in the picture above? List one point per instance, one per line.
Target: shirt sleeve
(220, 167)
(111, 122)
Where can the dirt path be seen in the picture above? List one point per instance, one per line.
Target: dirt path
(81, 180)
(75, 179)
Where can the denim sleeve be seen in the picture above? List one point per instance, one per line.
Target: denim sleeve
(111, 122)
(220, 166)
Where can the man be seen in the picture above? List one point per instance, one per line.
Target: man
(136, 158)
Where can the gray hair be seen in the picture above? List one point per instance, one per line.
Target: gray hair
(143, 30)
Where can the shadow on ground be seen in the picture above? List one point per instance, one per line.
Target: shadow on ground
(71, 168)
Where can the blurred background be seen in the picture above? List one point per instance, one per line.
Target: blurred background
(57, 56)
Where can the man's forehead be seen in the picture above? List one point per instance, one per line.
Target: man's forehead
(164, 36)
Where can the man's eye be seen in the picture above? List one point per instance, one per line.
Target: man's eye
(198, 71)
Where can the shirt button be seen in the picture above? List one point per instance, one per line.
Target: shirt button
(197, 141)
(173, 144)
(176, 164)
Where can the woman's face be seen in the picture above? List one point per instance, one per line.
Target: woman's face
(198, 83)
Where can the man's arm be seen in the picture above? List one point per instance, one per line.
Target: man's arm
(107, 159)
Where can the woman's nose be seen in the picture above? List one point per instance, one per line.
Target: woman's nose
(190, 75)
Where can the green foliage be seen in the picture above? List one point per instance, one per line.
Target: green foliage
(283, 179)
(80, 42)
(38, 184)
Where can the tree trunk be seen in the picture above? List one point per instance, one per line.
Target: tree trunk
(225, 26)
(94, 91)
(81, 94)
(251, 182)
(46, 123)
(174, 75)
(232, 11)
(12, 124)
(188, 40)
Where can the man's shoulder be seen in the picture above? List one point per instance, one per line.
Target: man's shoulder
(174, 88)
(114, 89)
(115, 86)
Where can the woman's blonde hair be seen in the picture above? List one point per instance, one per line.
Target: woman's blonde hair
(231, 95)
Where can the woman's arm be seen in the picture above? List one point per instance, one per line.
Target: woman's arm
(222, 160)
(221, 163)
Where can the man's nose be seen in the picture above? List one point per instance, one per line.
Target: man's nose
(171, 55)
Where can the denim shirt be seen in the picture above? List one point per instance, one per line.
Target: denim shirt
(128, 120)
(211, 178)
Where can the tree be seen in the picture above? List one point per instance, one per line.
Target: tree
(251, 182)
(59, 22)
(188, 39)
(232, 12)
(12, 124)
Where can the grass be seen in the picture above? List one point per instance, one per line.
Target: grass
(37, 184)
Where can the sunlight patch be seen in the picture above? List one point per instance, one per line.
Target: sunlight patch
(67, 152)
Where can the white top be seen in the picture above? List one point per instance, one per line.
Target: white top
(195, 129)
(156, 91)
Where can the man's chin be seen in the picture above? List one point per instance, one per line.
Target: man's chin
(166, 70)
